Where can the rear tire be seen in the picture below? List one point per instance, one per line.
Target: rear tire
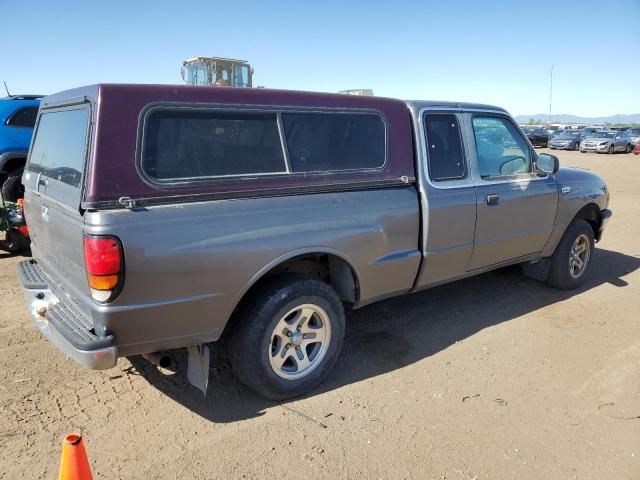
(15, 242)
(571, 262)
(287, 337)
(576, 146)
(628, 149)
(12, 188)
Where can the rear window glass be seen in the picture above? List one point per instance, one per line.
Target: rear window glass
(58, 149)
(192, 143)
(444, 147)
(24, 118)
(319, 142)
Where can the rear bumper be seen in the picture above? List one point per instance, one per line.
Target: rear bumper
(62, 323)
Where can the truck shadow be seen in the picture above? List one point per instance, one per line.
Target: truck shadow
(386, 336)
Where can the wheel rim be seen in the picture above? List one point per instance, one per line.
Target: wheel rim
(611, 149)
(579, 256)
(299, 341)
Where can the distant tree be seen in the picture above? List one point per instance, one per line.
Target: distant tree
(532, 121)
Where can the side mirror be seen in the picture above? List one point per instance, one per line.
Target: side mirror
(547, 164)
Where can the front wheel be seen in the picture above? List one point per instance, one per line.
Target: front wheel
(611, 148)
(576, 146)
(628, 149)
(571, 261)
(12, 188)
(286, 338)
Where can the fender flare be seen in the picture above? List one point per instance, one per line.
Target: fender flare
(288, 256)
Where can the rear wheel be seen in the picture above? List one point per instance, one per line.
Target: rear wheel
(571, 261)
(287, 337)
(576, 146)
(12, 188)
(611, 148)
(628, 149)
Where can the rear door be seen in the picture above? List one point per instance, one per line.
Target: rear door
(516, 208)
(448, 197)
(53, 182)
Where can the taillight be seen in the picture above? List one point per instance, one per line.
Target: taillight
(103, 260)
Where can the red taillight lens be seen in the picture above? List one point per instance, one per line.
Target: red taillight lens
(102, 255)
(103, 260)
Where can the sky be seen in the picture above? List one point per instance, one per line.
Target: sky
(497, 52)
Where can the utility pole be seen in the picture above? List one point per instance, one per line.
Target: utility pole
(550, 92)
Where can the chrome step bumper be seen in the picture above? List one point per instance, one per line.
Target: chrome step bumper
(63, 323)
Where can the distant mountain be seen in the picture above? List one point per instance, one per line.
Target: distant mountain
(566, 118)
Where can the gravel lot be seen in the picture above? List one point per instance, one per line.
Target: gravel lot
(492, 377)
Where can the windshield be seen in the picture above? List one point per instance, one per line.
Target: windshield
(603, 134)
(635, 131)
(568, 134)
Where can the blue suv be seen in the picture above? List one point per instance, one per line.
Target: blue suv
(17, 118)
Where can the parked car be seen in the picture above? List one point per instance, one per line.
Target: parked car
(634, 136)
(607, 142)
(587, 131)
(537, 136)
(256, 217)
(17, 118)
(636, 149)
(567, 140)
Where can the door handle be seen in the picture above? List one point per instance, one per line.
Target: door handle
(492, 199)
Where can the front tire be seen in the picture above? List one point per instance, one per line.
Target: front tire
(286, 338)
(628, 149)
(612, 149)
(12, 188)
(571, 262)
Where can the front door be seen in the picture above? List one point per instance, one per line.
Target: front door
(516, 207)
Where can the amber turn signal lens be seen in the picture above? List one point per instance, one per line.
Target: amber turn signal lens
(103, 282)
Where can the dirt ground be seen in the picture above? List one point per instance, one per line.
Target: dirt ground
(494, 377)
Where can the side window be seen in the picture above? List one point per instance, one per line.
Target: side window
(501, 149)
(192, 143)
(445, 156)
(24, 118)
(58, 150)
(319, 142)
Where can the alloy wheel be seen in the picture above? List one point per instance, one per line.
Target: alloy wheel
(299, 341)
(579, 256)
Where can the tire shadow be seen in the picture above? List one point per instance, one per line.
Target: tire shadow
(389, 335)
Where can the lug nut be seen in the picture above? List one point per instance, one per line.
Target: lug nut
(288, 334)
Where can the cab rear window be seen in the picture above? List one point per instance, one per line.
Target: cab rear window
(58, 150)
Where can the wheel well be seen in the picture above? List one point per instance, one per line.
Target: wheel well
(327, 267)
(591, 213)
(13, 164)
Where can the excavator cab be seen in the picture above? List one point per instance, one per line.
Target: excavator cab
(208, 71)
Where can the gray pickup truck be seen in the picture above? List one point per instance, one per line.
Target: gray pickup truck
(167, 217)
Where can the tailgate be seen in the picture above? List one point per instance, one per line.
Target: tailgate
(53, 180)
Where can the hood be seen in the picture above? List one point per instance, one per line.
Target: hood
(563, 140)
(578, 175)
(598, 139)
